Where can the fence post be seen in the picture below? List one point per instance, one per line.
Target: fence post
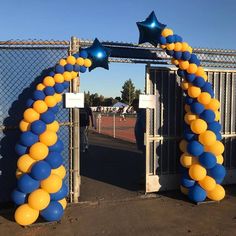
(114, 125)
(75, 133)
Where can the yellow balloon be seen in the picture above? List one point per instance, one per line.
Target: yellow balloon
(67, 76)
(185, 85)
(183, 145)
(40, 106)
(217, 115)
(50, 101)
(184, 190)
(220, 159)
(190, 49)
(198, 126)
(208, 183)
(174, 61)
(54, 126)
(71, 60)
(48, 138)
(18, 173)
(204, 98)
(87, 62)
(214, 104)
(184, 46)
(170, 46)
(24, 126)
(49, 81)
(25, 215)
(38, 151)
(194, 91)
(30, 115)
(187, 160)
(166, 32)
(187, 108)
(192, 68)
(25, 163)
(52, 184)
(183, 65)
(197, 172)
(163, 46)
(58, 97)
(200, 71)
(40, 87)
(217, 148)
(60, 171)
(207, 138)
(63, 202)
(178, 46)
(205, 77)
(189, 117)
(59, 78)
(62, 62)
(217, 194)
(80, 61)
(74, 74)
(39, 199)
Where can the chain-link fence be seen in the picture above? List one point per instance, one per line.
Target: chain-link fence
(23, 65)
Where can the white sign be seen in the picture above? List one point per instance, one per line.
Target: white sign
(147, 101)
(74, 100)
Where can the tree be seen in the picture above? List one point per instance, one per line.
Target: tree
(127, 93)
(118, 98)
(87, 99)
(137, 93)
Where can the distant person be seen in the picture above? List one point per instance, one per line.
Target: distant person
(85, 115)
(122, 113)
(140, 125)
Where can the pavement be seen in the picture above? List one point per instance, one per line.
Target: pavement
(112, 202)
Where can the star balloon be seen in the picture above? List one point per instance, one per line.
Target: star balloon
(99, 55)
(150, 30)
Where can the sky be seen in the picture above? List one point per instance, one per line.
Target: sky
(202, 23)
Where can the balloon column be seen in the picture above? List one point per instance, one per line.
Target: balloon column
(202, 148)
(41, 189)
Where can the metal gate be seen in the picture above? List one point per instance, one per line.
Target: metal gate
(165, 124)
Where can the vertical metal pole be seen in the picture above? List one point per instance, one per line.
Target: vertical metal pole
(76, 133)
(114, 125)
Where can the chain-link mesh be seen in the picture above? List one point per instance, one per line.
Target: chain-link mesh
(23, 65)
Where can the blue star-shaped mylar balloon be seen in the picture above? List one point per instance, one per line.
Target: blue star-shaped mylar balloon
(150, 30)
(98, 55)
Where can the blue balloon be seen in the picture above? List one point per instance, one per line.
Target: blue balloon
(29, 102)
(54, 109)
(170, 52)
(178, 38)
(98, 55)
(170, 39)
(218, 172)
(38, 95)
(199, 81)
(186, 56)
(57, 147)
(26, 184)
(208, 160)
(51, 73)
(197, 194)
(66, 84)
(150, 30)
(214, 126)
(59, 69)
(75, 55)
(188, 100)
(38, 127)
(21, 149)
(28, 138)
(18, 197)
(82, 69)
(195, 148)
(68, 67)
(188, 134)
(190, 77)
(218, 136)
(47, 117)
(62, 193)
(207, 86)
(83, 53)
(194, 60)
(49, 91)
(208, 116)
(59, 88)
(186, 181)
(53, 212)
(180, 73)
(197, 108)
(162, 40)
(54, 159)
(40, 170)
(76, 68)
(177, 55)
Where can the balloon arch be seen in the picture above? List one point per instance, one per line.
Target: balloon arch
(40, 171)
